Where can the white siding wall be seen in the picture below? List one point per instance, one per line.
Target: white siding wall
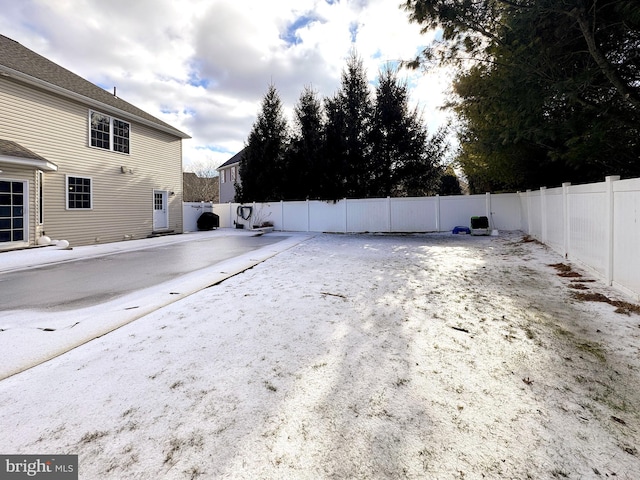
(227, 188)
(57, 129)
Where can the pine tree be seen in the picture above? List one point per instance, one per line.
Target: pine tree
(262, 165)
(404, 160)
(349, 115)
(305, 172)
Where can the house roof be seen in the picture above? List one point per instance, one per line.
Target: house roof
(14, 153)
(233, 160)
(19, 62)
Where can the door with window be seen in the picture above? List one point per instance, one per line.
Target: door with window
(13, 198)
(160, 210)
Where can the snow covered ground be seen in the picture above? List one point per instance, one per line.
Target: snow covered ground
(354, 356)
(29, 336)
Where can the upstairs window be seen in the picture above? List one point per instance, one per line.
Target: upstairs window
(109, 133)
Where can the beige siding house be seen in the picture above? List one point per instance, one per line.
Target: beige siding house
(77, 162)
(229, 177)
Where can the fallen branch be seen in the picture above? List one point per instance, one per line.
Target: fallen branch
(461, 329)
(333, 294)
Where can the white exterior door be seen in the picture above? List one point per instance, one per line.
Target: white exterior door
(160, 210)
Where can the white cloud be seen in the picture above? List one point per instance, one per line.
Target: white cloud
(204, 66)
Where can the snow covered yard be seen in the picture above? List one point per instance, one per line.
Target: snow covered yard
(354, 356)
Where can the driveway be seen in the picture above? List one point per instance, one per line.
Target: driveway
(54, 300)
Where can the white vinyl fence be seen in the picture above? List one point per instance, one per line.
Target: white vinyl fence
(191, 211)
(596, 225)
(420, 214)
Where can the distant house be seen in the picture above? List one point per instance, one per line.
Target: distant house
(229, 176)
(199, 189)
(77, 162)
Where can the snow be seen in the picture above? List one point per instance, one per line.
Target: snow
(351, 356)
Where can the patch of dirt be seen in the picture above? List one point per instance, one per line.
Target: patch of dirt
(565, 270)
(621, 307)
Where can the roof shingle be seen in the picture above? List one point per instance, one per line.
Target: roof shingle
(18, 58)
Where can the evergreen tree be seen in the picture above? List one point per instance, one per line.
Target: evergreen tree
(554, 93)
(306, 170)
(449, 183)
(349, 115)
(402, 162)
(262, 165)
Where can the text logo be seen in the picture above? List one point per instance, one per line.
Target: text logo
(49, 467)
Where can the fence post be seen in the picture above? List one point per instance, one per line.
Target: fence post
(543, 214)
(487, 207)
(308, 216)
(437, 213)
(282, 215)
(346, 221)
(529, 212)
(230, 216)
(565, 218)
(609, 242)
(388, 214)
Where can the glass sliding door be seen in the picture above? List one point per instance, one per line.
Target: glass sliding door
(13, 197)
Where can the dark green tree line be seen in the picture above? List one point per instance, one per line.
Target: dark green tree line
(353, 144)
(548, 90)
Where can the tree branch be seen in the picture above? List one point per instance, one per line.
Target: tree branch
(607, 69)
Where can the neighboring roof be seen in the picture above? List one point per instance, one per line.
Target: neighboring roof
(233, 160)
(14, 153)
(23, 64)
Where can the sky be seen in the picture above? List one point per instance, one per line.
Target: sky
(204, 66)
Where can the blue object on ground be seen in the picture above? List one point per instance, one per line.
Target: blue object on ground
(457, 230)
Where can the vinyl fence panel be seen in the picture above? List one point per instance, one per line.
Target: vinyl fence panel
(414, 214)
(596, 225)
(626, 235)
(587, 225)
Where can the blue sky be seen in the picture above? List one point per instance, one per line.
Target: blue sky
(204, 66)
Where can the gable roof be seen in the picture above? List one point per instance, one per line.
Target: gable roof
(14, 153)
(233, 160)
(27, 66)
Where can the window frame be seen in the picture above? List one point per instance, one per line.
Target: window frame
(67, 192)
(111, 133)
(40, 189)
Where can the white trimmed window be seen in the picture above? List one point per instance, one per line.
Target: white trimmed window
(233, 174)
(79, 193)
(223, 175)
(109, 133)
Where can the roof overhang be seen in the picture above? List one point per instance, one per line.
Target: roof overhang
(228, 165)
(9, 72)
(44, 165)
